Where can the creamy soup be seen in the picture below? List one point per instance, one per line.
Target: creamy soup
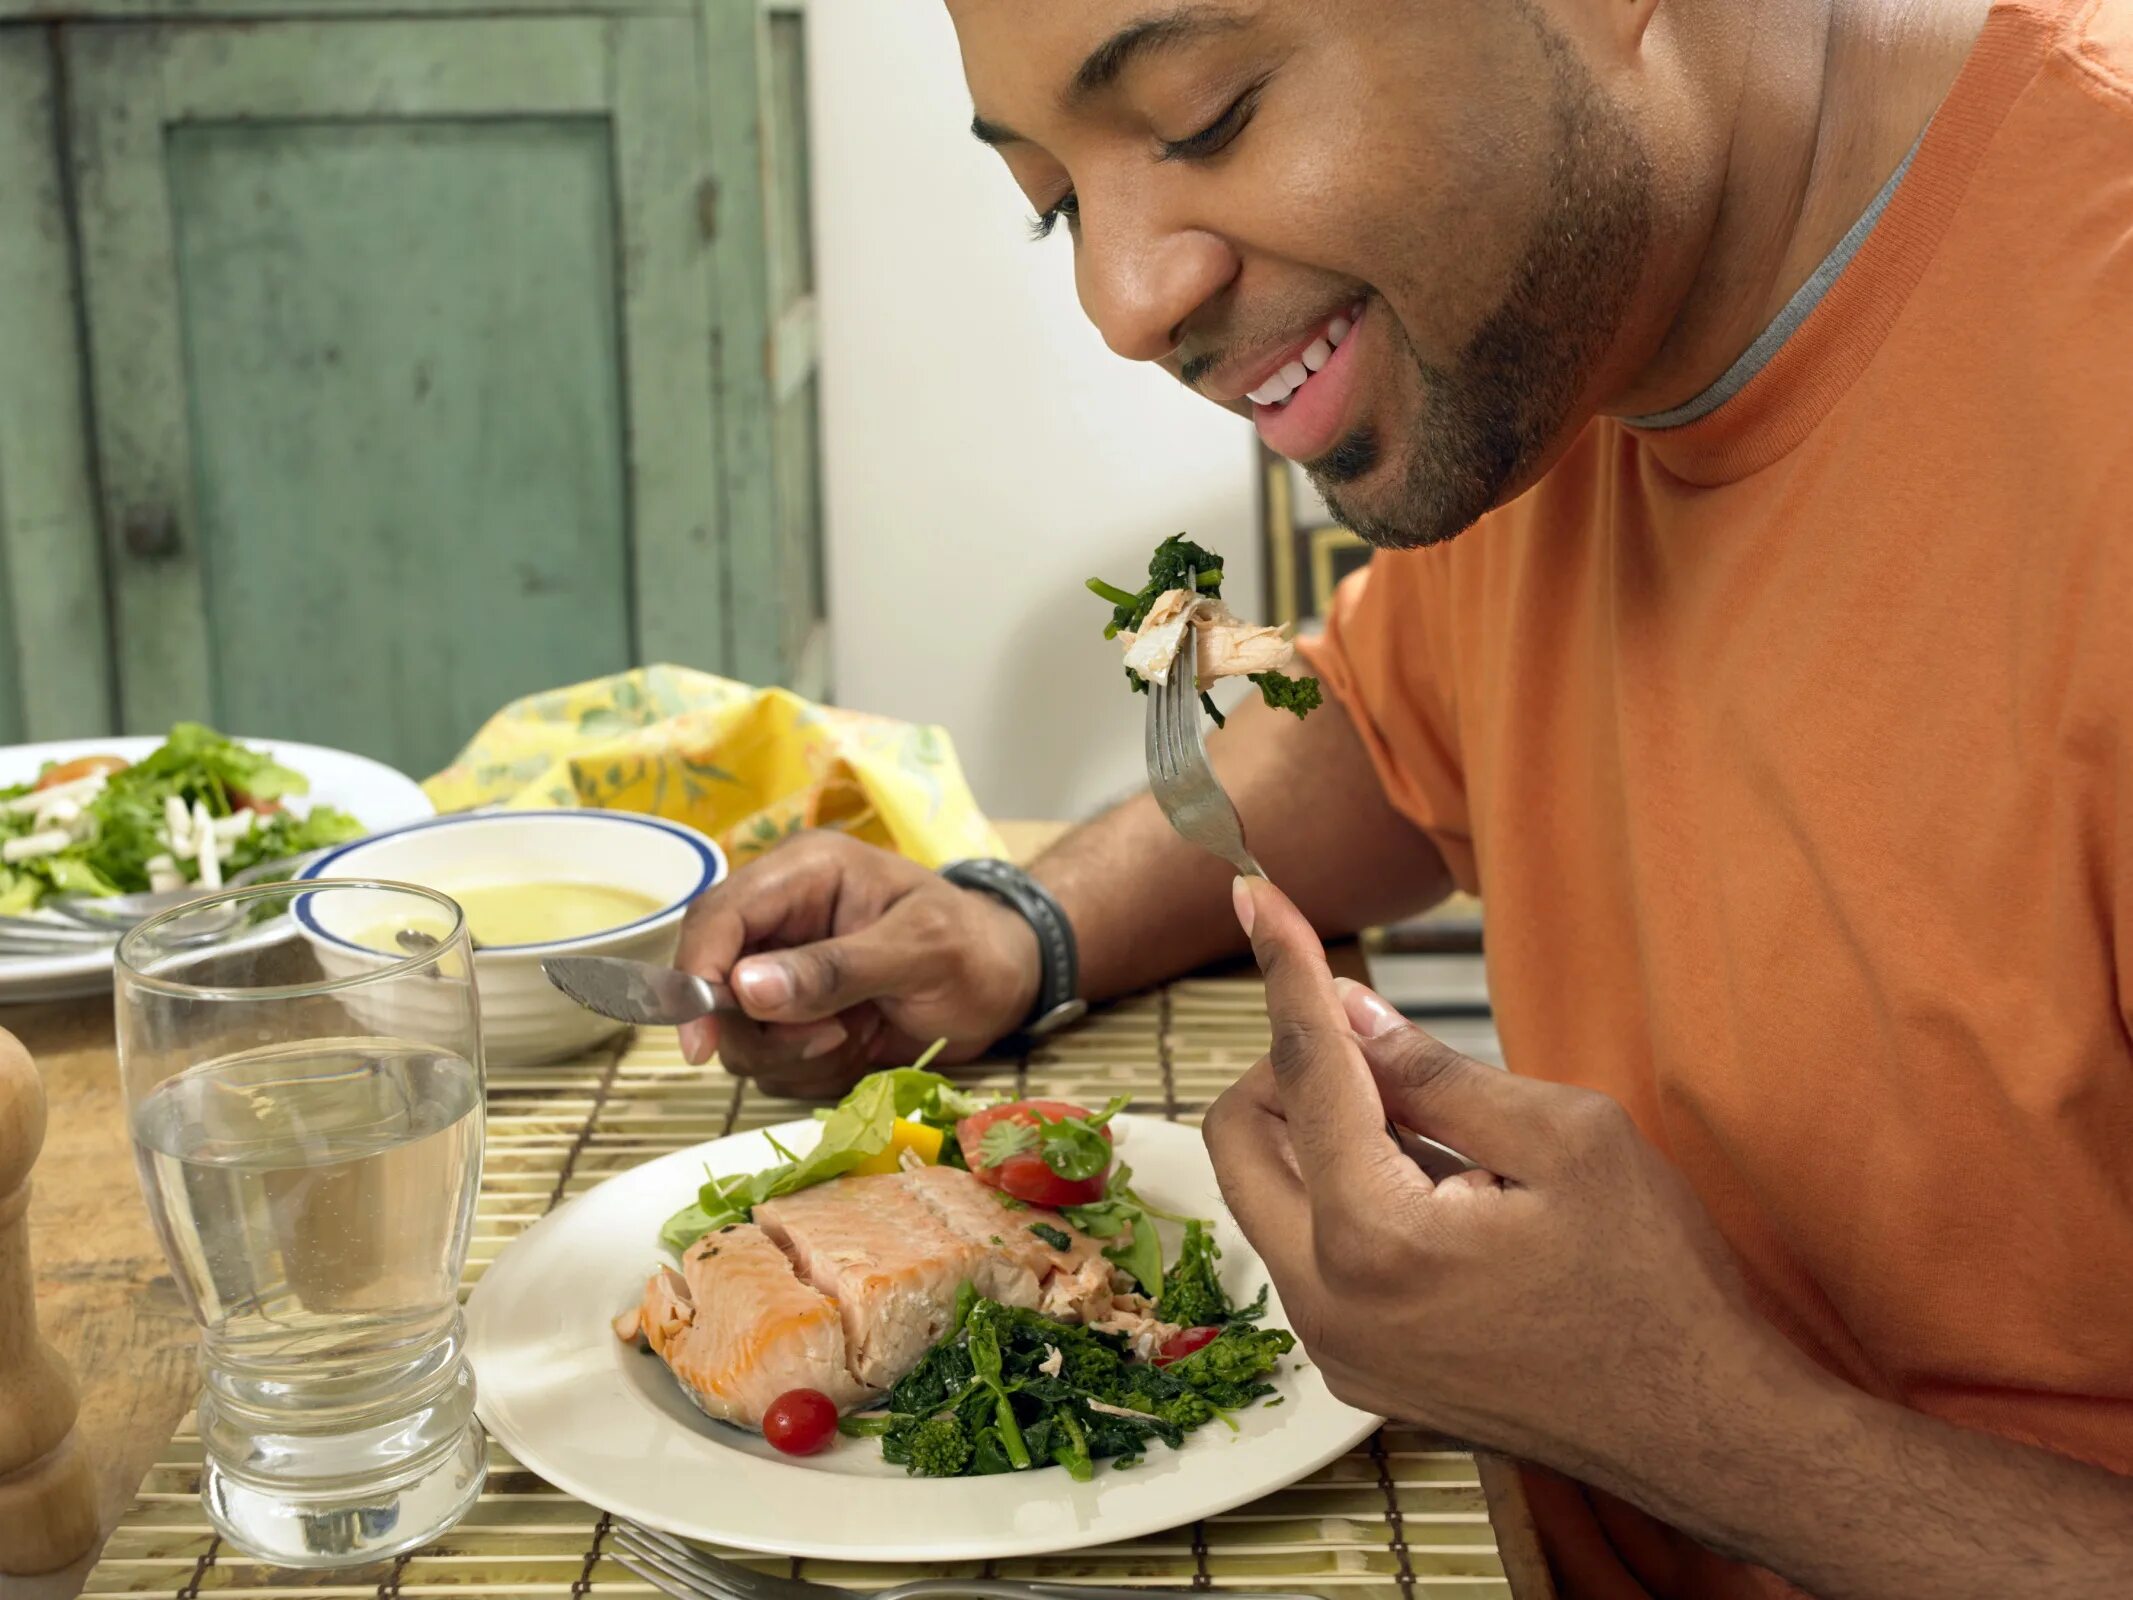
(536, 913)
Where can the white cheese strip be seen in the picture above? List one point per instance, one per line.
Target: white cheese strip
(236, 825)
(32, 845)
(178, 823)
(58, 814)
(77, 790)
(163, 879)
(204, 846)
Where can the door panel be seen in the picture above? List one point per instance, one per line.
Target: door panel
(402, 378)
(401, 335)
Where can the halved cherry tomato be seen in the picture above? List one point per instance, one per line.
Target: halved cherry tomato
(240, 801)
(1024, 1175)
(81, 767)
(800, 1421)
(1183, 1343)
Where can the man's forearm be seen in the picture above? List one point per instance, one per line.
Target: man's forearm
(1146, 905)
(1853, 1498)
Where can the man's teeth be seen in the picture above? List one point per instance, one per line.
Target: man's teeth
(1278, 389)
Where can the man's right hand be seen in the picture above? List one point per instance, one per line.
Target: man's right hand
(845, 957)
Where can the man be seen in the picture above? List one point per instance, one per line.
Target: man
(1740, 394)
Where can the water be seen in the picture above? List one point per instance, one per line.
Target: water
(315, 1201)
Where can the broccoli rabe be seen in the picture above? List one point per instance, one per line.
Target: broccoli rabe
(938, 1447)
(1010, 1389)
(1284, 693)
(1192, 1289)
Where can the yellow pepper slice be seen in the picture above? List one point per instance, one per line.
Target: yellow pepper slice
(916, 1137)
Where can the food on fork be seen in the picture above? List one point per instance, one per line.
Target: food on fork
(1182, 600)
(1026, 1333)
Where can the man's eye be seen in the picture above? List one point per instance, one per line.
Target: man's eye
(1065, 209)
(1218, 133)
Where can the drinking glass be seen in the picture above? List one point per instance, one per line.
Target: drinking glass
(305, 1099)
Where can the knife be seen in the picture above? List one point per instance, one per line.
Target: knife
(637, 991)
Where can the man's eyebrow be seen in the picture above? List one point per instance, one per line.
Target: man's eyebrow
(1104, 65)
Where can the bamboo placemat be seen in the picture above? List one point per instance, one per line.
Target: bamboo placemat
(1406, 1517)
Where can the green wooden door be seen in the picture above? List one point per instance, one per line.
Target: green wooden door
(401, 341)
(769, 368)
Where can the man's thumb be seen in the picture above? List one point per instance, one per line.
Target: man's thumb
(812, 981)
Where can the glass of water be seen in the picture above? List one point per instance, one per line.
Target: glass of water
(303, 1076)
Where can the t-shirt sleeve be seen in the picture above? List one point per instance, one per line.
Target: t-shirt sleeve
(1382, 657)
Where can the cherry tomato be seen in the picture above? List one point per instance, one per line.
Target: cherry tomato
(81, 767)
(1025, 1176)
(800, 1421)
(1183, 1343)
(240, 801)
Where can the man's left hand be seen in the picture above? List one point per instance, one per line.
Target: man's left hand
(1572, 1303)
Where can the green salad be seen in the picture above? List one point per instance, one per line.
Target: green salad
(198, 810)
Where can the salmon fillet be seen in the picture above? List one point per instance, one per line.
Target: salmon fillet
(738, 1329)
(877, 1250)
(1016, 1262)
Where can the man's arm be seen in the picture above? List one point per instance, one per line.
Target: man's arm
(1146, 905)
(1572, 1303)
(847, 957)
(1856, 1499)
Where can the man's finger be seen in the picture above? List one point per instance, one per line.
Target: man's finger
(1336, 1118)
(1248, 1141)
(812, 981)
(1492, 1118)
(787, 888)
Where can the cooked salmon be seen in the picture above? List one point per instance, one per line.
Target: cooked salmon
(1017, 1261)
(881, 1254)
(1224, 644)
(738, 1329)
(843, 1287)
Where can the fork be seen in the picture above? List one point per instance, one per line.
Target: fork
(1178, 770)
(666, 1563)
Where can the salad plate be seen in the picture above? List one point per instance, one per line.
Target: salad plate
(371, 792)
(607, 1422)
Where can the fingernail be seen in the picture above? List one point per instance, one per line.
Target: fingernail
(763, 984)
(696, 1042)
(1240, 893)
(1368, 1014)
(823, 1045)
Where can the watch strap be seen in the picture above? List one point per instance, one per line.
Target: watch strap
(1059, 999)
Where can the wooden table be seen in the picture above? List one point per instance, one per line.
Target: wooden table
(107, 1301)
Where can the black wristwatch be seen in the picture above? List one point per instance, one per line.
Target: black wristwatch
(1059, 999)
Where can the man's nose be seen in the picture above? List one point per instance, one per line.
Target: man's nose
(1140, 285)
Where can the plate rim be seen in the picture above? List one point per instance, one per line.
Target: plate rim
(992, 1545)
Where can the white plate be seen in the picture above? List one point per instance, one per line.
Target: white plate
(371, 792)
(609, 1425)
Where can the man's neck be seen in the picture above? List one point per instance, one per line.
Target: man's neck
(1830, 96)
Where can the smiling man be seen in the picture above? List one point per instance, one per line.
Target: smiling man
(1739, 396)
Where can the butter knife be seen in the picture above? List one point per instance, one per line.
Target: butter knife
(637, 991)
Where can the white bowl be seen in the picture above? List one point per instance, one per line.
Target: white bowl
(524, 1019)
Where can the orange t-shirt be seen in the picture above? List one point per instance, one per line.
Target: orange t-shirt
(1791, 751)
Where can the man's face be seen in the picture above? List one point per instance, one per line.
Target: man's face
(1429, 213)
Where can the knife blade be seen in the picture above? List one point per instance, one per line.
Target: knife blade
(637, 991)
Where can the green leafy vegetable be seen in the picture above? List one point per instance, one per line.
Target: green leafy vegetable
(1057, 1238)
(1192, 1294)
(1284, 693)
(859, 1126)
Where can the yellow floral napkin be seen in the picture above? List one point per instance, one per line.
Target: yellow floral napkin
(747, 766)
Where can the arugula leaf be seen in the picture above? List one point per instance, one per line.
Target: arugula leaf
(19, 892)
(1052, 1236)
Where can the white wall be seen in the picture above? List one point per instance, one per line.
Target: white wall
(984, 452)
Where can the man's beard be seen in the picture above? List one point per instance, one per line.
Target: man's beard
(1488, 418)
